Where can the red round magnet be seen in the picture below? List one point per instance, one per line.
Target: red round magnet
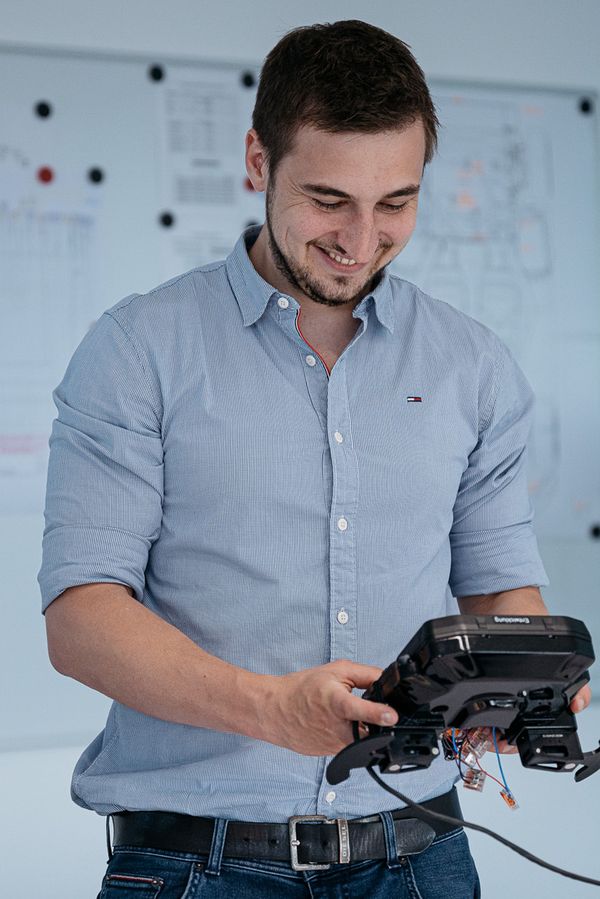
(45, 174)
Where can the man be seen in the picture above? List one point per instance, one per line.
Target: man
(264, 476)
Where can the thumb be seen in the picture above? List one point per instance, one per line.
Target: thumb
(356, 709)
(362, 676)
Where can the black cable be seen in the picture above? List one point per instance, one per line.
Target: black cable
(490, 833)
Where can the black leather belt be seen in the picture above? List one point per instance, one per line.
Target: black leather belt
(308, 842)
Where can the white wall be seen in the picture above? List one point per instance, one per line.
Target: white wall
(543, 42)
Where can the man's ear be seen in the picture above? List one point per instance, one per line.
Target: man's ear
(256, 161)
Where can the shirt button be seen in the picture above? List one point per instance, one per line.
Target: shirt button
(283, 302)
(342, 524)
(342, 616)
(338, 437)
(330, 796)
(310, 360)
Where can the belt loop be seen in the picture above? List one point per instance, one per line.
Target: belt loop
(108, 846)
(215, 856)
(389, 835)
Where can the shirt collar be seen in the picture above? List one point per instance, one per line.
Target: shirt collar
(253, 293)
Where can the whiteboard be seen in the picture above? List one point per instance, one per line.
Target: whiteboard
(119, 172)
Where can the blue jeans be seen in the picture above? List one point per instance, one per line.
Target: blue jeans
(445, 869)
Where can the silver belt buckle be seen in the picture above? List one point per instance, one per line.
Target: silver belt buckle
(343, 835)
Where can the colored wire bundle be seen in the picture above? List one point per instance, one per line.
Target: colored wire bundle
(455, 742)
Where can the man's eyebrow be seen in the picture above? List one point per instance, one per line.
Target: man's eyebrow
(323, 189)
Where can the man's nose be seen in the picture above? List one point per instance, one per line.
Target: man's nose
(360, 238)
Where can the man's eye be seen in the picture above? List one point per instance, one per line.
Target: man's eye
(326, 205)
(390, 207)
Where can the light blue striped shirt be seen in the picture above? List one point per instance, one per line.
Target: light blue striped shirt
(280, 515)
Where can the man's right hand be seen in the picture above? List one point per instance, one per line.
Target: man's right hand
(311, 711)
(101, 636)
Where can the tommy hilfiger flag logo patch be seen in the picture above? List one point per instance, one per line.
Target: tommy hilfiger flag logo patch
(414, 399)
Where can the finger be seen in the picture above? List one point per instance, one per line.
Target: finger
(582, 699)
(503, 745)
(353, 708)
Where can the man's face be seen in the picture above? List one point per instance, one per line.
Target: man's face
(350, 195)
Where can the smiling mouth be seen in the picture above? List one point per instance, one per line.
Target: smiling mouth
(341, 263)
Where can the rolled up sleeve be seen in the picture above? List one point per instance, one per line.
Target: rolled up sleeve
(492, 540)
(105, 474)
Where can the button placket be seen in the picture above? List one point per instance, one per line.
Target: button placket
(315, 377)
(342, 550)
(342, 543)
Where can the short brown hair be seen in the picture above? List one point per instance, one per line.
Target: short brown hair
(344, 76)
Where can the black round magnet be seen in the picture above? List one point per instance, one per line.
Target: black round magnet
(167, 219)
(156, 73)
(95, 175)
(43, 109)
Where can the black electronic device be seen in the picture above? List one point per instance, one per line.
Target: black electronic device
(517, 673)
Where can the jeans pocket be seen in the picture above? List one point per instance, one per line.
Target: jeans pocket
(120, 885)
(446, 869)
